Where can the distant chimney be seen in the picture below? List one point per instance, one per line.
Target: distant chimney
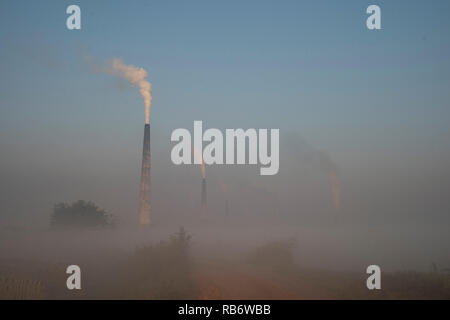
(203, 197)
(144, 196)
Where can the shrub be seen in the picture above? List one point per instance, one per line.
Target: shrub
(79, 214)
(162, 270)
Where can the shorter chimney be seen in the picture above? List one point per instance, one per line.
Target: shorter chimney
(203, 197)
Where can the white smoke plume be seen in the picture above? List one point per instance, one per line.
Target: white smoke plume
(136, 76)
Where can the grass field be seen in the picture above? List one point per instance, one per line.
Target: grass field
(171, 269)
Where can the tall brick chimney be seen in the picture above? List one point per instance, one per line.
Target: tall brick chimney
(144, 196)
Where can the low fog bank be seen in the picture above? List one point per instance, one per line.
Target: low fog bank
(337, 248)
(342, 211)
(368, 186)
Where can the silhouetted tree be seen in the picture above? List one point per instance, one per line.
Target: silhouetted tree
(79, 214)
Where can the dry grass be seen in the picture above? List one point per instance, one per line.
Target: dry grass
(417, 285)
(12, 288)
(167, 270)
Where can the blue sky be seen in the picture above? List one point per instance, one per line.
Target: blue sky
(307, 66)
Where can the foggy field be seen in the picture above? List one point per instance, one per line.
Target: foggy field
(224, 149)
(222, 262)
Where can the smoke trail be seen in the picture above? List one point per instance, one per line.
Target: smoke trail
(136, 76)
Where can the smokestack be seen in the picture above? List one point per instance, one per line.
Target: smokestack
(138, 77)
(203, 188)
(144, 196)
(203, 196)
(327, 164)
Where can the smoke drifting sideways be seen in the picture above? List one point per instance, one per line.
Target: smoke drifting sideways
(136, 76)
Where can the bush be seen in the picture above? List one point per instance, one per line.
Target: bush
(79, 214)
(162, 270)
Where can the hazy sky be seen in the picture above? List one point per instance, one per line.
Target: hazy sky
(376, 101)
